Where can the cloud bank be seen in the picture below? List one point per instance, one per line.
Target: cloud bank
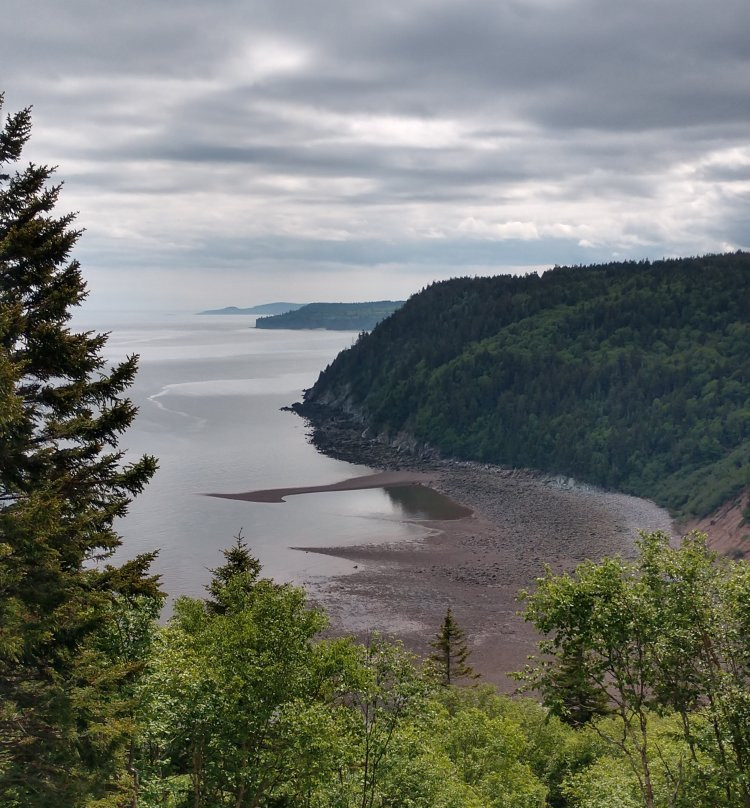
(240, 152)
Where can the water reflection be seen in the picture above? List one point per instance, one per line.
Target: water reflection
(419, 502)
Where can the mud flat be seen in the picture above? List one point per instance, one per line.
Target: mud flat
(477, 564)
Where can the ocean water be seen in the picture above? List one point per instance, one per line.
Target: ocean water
(210, 391)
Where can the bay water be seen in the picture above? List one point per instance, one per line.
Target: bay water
(210, 389)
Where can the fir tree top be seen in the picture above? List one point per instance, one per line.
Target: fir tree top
(234, 581)
(451, 652)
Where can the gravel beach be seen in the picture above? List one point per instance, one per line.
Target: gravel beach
(478, 564)
(517, 521)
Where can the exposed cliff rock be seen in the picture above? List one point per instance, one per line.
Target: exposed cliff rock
(339, 429)
(728, 527)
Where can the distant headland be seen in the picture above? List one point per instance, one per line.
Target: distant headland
(333, 316)
(264, 308)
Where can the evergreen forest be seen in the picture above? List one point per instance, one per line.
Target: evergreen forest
(640, 695)
(632, 376)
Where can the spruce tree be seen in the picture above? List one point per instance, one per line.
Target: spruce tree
(451, 652)
(232, 583)
(63, 482)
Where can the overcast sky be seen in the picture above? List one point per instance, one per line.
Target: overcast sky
(241, 152)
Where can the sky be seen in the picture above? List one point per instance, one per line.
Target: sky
(236, 153)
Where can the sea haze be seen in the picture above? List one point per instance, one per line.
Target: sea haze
(210, 391)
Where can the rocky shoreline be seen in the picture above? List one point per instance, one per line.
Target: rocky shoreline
(343, 437)
(520, 522)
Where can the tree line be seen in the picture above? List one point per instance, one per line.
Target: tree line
(332, 316)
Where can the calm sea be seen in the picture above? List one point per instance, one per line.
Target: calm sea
(210, 389)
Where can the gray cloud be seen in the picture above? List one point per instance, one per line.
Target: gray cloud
(384, 142)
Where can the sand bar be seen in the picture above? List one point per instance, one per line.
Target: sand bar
(382, 479)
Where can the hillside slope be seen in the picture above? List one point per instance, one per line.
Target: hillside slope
(633, 376)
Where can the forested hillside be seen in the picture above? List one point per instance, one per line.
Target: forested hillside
(634, 376)
(333, 316)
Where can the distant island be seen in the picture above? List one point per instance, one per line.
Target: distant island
(333, 316)
(264, 308)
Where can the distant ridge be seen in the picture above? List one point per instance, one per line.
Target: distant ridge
(334, 316)
(264, 308)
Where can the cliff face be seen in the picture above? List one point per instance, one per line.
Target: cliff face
(633, 377)
(727, 528)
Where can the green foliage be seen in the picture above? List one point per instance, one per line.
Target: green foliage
(333, 316)
(232, 584)
(634, 376)
(246, 706)
(605, 784)
(225, 693)
(63, 721)
(663, 642)
(488, 753)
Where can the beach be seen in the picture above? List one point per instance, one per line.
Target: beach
(514, 523)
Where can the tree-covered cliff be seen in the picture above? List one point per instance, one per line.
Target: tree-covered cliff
(634, 376)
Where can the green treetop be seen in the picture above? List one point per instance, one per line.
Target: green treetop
(451, 652)
(664, 635)
(232, 583)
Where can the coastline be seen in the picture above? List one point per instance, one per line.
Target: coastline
(514, 523)
(510, 525)
(519, 521)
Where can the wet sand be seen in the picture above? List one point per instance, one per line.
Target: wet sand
(381, 479)
(478, 564)
(515, 523)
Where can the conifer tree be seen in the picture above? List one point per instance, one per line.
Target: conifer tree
(62, 484)
(232, 582)
(451, 652)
